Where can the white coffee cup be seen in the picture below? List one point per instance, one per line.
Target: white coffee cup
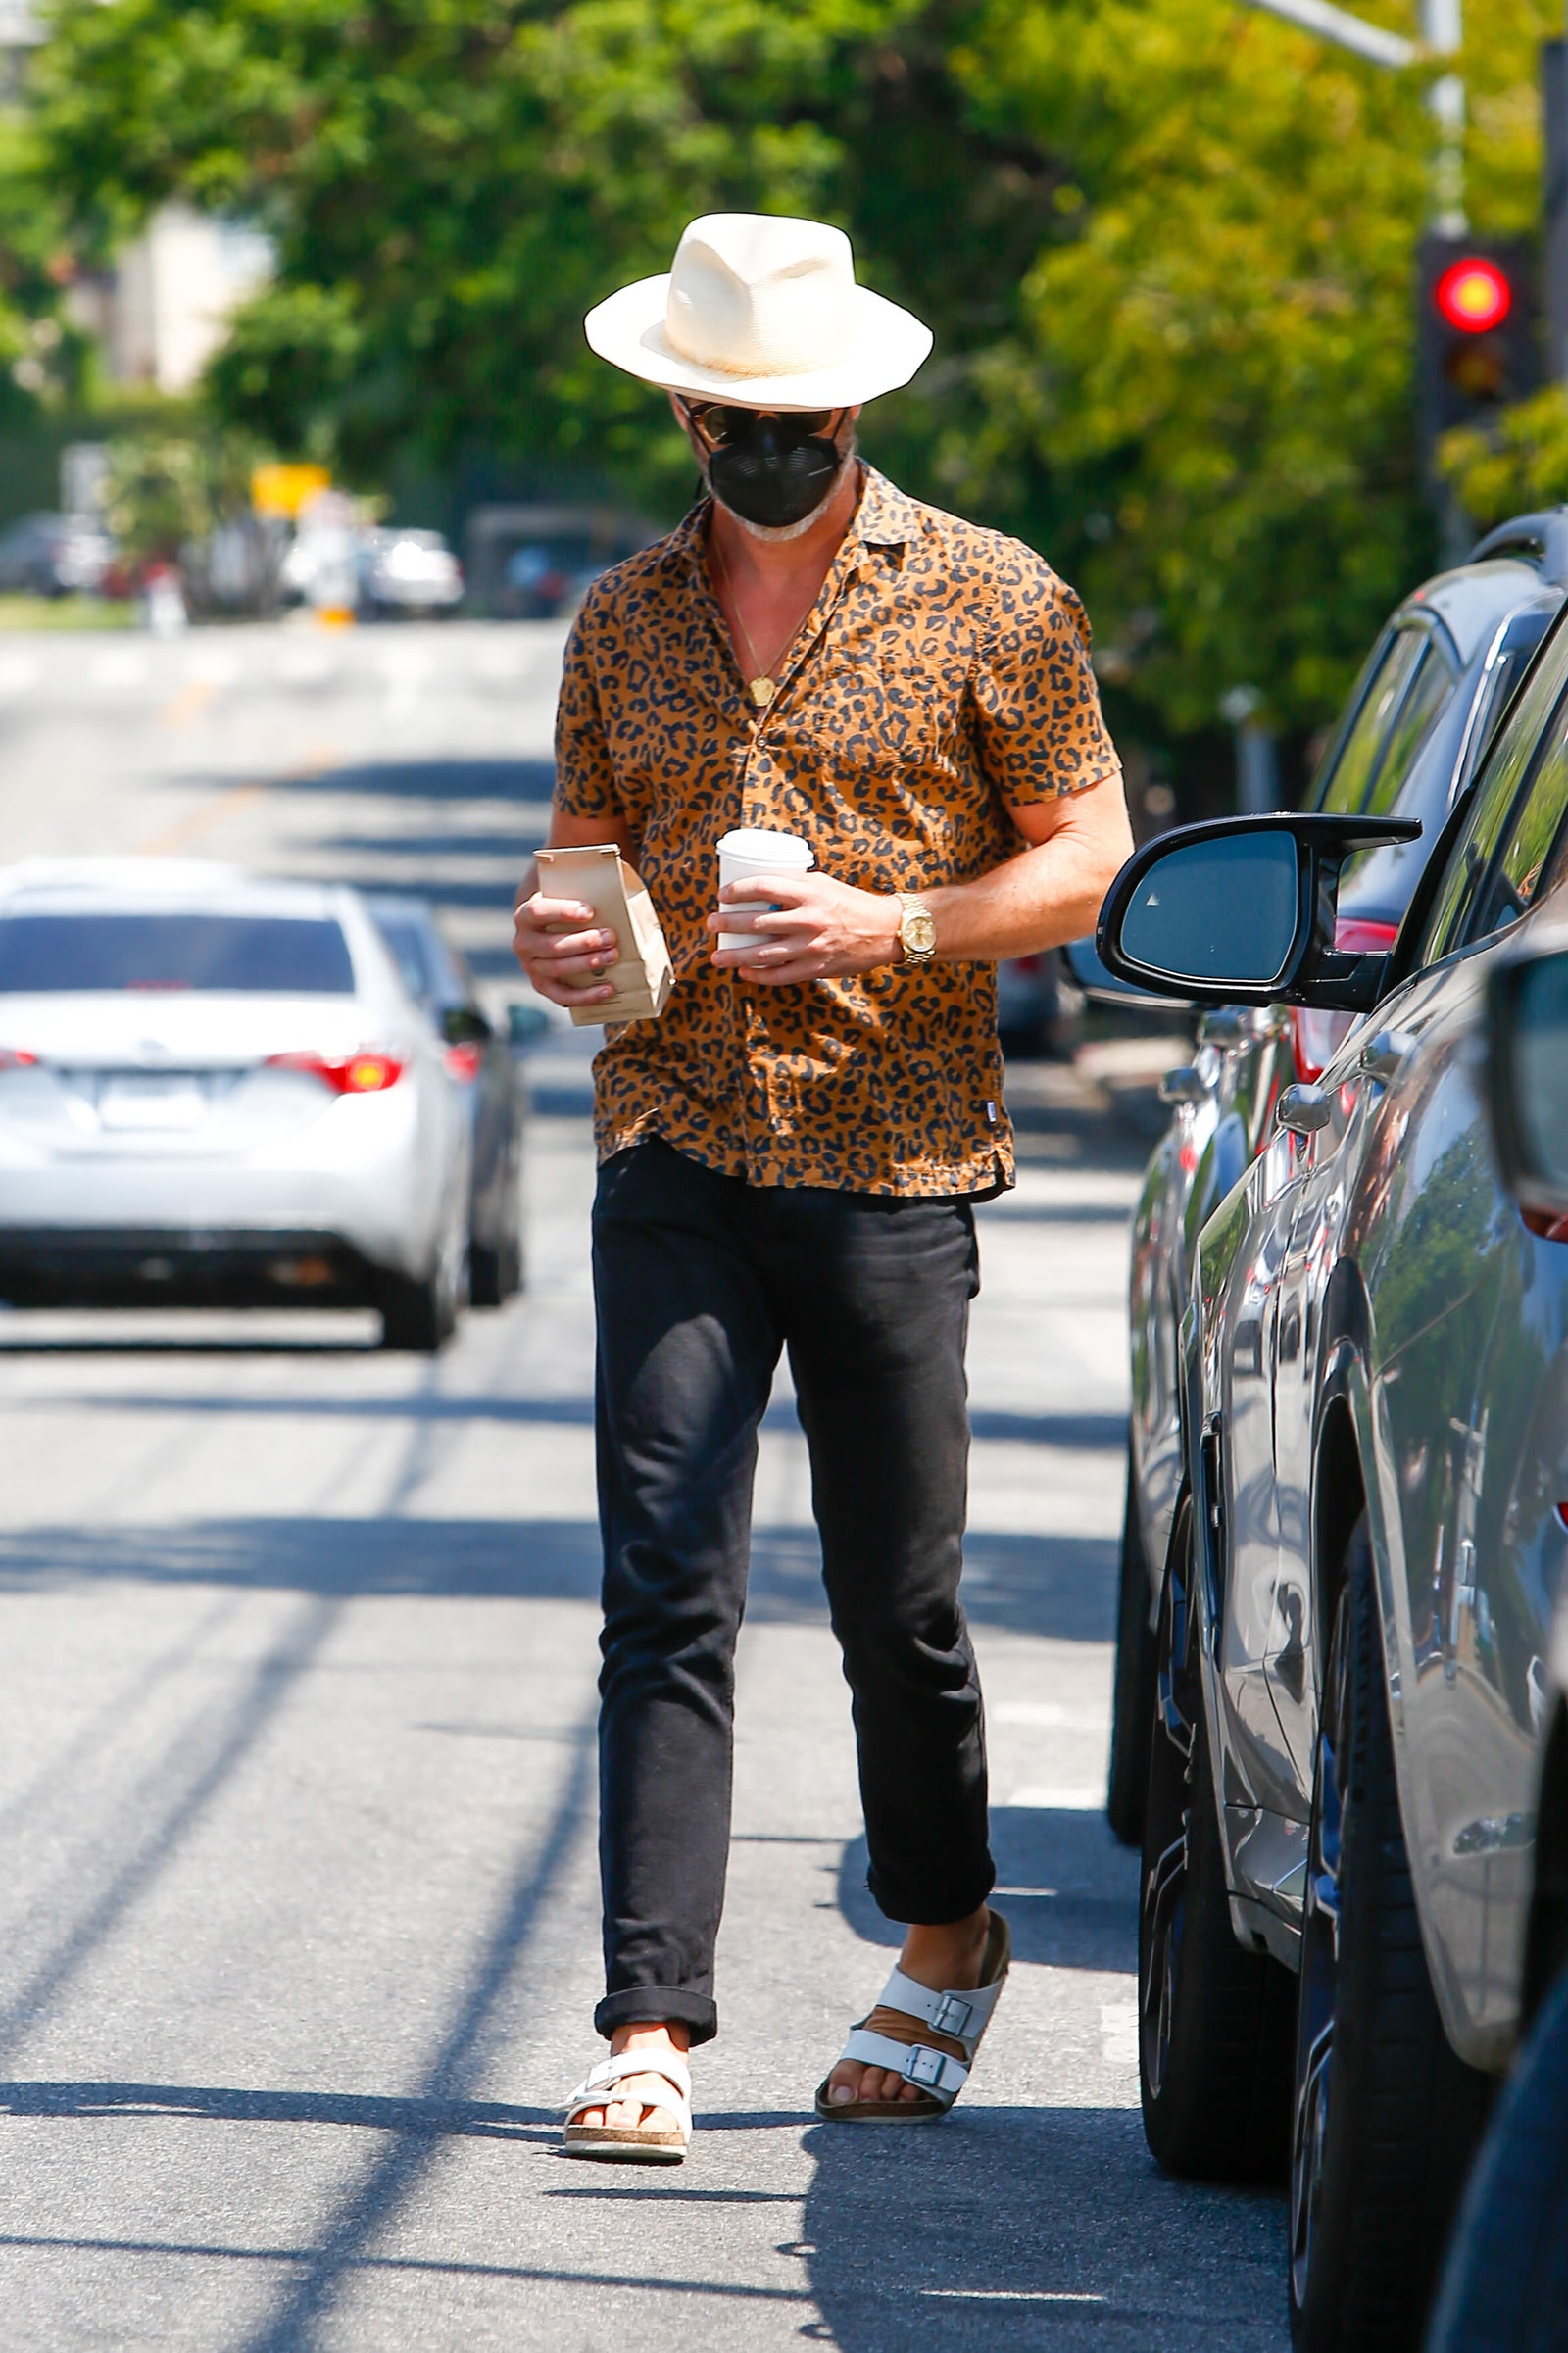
(753, 851)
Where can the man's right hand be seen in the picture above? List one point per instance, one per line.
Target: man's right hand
(558, 945)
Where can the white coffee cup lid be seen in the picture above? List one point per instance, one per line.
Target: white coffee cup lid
(766, 848)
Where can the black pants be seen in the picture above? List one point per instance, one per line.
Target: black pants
(700, 1279)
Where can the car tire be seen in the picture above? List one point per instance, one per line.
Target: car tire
(496, 1268)
(1505, 2284)
(1214, 2019)
(420, 1314)
(418, 1318)
(1132, 1707)
(1385, 2116)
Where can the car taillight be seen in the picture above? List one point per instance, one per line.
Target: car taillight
(16, 1057)
(351, 1074)
(1545, 1224)
(464, 1061)
(1315, 1036)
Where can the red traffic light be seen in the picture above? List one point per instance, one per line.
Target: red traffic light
(1473, 295)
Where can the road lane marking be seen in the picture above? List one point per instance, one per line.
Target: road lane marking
(190, 828)
(233, 801)
(1118, 2032)
(184, 708)
(1057, 1798)
(1013, 2295)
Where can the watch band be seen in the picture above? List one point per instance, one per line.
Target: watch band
(917, 930)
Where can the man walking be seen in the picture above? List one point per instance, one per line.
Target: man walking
(788, 1157)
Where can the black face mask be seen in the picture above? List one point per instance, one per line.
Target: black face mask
(773, 474)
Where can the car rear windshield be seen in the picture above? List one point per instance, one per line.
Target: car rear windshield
(273, 956)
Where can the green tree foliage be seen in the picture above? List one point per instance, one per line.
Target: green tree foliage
(168, 492)
(1518, 463)
(1166, 245)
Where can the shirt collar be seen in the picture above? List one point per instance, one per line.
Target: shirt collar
(884, 517)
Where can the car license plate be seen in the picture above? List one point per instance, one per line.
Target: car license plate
(152, 1103)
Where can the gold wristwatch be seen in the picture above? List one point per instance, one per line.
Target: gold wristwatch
(918, 928)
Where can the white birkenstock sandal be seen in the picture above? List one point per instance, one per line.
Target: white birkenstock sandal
(632, 2145)
(960, 2017)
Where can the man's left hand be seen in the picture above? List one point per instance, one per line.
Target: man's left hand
(818, 929)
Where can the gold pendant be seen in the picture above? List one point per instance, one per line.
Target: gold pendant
(761, 692)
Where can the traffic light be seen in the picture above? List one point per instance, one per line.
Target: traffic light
(1475, 342)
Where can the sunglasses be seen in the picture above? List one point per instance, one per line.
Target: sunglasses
(718, 424)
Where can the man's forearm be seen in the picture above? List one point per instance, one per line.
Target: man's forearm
(1049, 893)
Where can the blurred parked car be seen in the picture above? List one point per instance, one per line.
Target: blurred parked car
(408, 572)
(535, 563)
(1350, 1691)
(1505, 2284)
(480, 1059)
(1410, 740)
(213, 1089)
(55, 556)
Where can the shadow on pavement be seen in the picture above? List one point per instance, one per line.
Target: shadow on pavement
(1056, 1586)
(486, 2120)
(1086, 1432)
(458, 2066)
(199, 1760)
(1009, 2228)
(1069, 1891)
(528, 781)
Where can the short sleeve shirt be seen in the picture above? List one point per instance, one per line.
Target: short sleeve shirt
(941, 680)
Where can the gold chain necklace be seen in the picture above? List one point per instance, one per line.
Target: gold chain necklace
(762, 688)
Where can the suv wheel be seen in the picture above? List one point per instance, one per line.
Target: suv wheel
(1385, 2114)
(1214, 2020)
(1133, 1691)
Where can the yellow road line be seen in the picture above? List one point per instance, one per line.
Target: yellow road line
(192, 826)
(188, 704)
(234, 800)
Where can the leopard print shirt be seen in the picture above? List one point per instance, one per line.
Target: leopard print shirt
(941, 678)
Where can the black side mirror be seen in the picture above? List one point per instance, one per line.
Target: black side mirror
(526, 1024)
(1240, 912)
(465, 1025)
(1527, 1076)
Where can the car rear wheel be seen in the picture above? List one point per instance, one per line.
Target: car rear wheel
(1385, 2116)
(1133, 1691)
(420, 1314)
(495, 1266)
(1214, 2020)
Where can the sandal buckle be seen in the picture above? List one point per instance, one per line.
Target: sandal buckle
(924, 2067)
(951, 2016)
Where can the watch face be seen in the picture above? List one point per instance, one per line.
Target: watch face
(919, 933)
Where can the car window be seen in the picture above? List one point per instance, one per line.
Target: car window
(1491, 800)
(406, 942)
(1512, 887)
(1356, 767)
(251, 955)
(1425, 698)
(431, 972)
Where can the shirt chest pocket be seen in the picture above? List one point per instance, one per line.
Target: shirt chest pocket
(888, 727)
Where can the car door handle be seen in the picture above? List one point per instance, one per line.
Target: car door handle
(1186, 1084)
(1303, 1109)
(1382, 1055)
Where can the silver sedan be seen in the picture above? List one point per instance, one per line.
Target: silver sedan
(215, 1089)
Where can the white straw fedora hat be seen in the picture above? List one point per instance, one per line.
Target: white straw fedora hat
(765, 311)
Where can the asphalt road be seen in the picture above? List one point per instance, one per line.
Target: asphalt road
(298, 1923)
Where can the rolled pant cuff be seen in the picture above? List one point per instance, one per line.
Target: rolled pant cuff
(658, 2005)
(903, 1904)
